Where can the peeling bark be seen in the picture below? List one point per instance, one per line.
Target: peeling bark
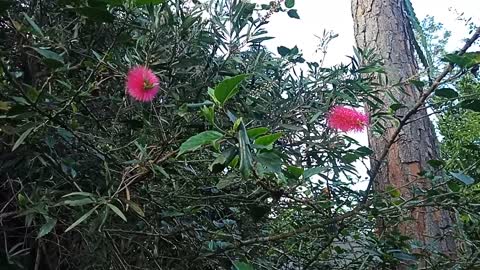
(382, 25)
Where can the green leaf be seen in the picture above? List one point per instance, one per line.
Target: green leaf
(136, 208)
(81, 219)
(51, 58)
(209, 113)
(78, 202)
(238, 265)
(79, 193)
(393, 191)
(237, 123)
(22, 200)
(22, 138)
(146, 2)
(296, 172)
(454, 186)
(364, 151)
(196, 141)
(292, 13)
(228, 88)
(34, 26)
(97, 14)
(436, 163)
(350, 157)
(417, 83)
(471, 104)
(404, 256)
(283, 51)
(211, 93)
(222, 161)
(32, 94)
(267, 140)
(446, 93)
(245, 154)
(289, 3)
(47, 227)
(117, 211)
(466, 60)
(255, 132)
(4, 106)
(396, 106)
(271, 161)
(467, 180)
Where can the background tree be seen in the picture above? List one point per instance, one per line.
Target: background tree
(384, 27)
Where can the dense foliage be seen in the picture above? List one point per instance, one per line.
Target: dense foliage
(232, 166)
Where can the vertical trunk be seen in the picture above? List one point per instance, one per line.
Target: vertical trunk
(382, 25)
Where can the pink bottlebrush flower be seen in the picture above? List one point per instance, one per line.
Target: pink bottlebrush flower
(142, 84)
(346, 119)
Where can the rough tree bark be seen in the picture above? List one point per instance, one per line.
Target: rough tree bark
(382, 25)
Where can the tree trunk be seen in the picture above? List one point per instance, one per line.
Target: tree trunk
(382, 25)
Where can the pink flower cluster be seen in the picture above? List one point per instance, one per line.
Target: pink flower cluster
(142, 84)
(346, 119)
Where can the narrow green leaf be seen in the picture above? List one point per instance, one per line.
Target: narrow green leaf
(238, 265)
(350, 157)
(267, 140)
(22, 138)
(78, 202)
(136, 208)
(454, 186)
(211, 93)
(47, 227)
(228, 88)
(81, 219)
(255, 132)
(296, 172)
(209, 113)
(85, 194)
(436, 163)
(446, 93)
(32, 23)
(467, 180)
(471, 104)
(364, 151)
(117, 211)
(245, 154)
(466, 60)
(196, 141)
(147, 2)
(51, 58)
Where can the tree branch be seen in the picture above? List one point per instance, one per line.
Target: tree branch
(376, 168)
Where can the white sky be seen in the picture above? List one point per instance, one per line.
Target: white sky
(335, 15)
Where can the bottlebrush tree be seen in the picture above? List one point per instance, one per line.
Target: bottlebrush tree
(153, 134)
